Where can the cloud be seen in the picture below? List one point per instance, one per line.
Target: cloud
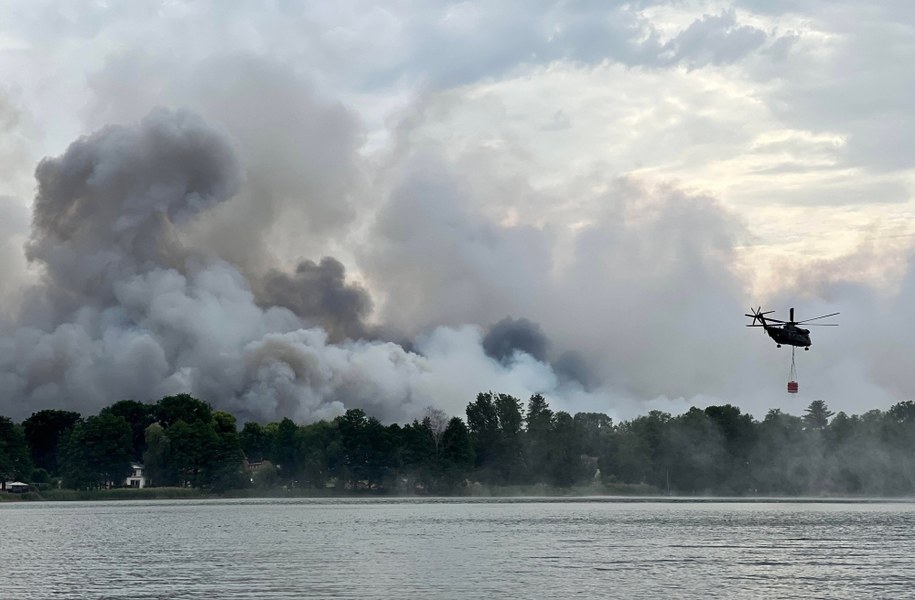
(849, 73)
(714, 40)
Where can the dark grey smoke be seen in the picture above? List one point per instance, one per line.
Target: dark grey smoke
(106, 209)
(572, 365)
(300, 151)
(515, 335)
(509, 336)
(320, 295)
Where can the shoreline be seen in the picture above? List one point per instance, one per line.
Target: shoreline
(608, 494)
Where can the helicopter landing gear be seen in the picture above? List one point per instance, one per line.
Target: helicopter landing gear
(806, 348)
(778, 345)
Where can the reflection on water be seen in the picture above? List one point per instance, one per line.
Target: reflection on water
(456, 549)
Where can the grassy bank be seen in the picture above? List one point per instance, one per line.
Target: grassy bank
(608, 489)
(113, 494)
(176, 493)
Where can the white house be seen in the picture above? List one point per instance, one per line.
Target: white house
(136, 479)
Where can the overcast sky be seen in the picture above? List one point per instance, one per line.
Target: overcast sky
(615, 183)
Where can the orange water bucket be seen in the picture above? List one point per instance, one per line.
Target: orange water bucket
(792, 387)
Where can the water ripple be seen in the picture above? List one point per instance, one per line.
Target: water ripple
(456, 549)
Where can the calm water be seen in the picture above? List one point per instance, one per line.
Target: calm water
(456, 549)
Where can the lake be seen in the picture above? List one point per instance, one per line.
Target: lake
(457, 548)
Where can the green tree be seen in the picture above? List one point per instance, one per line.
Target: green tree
(539, 421)
(483, 422)
(418, 441)
(634, 451)
(256, 441)
(694, 457)
(738, 434)
(369, 456)
(157, 458)
(628, 459)
(457, 454)
(539, 416)
(565, 466)
(98, 452)
(320, 445)
(41, 476)
(45, 431)
(817, 415)
(594, 428)
(139, 416)
(286, 453)
(419, 452)
(183, 407)
(903, 412)
(15, 462)
(224, 469)
(510, 446)
(782, 460)
(193, 448)
(840, 430)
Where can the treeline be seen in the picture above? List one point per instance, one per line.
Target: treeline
(182, 442)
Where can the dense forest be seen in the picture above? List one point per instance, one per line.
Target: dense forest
(718, 450)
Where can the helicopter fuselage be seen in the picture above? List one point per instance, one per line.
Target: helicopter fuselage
(786, 332)
(790, 335)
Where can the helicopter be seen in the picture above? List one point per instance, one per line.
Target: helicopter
(787, 332)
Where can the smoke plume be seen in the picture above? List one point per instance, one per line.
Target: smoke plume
(319, 294)
(127, 309)
(515, 335)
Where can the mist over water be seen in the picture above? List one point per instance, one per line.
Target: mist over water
(459, 549)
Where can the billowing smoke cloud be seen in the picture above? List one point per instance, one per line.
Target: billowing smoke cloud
(508, 337)
(319, 294)
(127, 309)
(644, 278)
(106, 210)
(515, 335)
(14, 221)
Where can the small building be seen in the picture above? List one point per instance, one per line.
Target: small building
(136, 479)
(17, 487)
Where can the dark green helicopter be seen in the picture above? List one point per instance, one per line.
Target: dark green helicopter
(787, 332)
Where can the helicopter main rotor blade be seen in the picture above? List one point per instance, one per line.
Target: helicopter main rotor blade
(822, 324)
(815, 318)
